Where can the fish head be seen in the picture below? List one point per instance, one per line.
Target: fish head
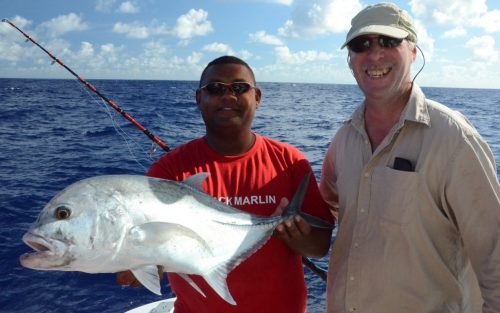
(78, 229)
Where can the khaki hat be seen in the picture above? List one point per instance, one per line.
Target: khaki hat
(384, 19)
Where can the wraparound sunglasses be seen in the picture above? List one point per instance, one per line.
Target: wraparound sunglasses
(363, 43)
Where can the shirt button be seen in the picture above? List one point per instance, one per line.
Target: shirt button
(351, 278)
(356, 245)
(352, 309)
(362, 210)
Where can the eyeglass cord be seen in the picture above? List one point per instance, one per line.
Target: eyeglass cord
(423, 58)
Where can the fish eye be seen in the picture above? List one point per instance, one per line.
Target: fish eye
(62, 213)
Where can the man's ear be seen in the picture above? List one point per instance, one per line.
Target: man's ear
(258, 95)
(198, 97)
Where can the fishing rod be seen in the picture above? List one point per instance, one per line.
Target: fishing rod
(314, 268)
(307, 262)
(127, 116)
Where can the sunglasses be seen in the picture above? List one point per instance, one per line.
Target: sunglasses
(219, 89)
(363, 43)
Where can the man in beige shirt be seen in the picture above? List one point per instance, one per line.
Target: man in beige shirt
(414, 186)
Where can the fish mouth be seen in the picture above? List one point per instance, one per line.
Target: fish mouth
(38, 243)
(47, 252)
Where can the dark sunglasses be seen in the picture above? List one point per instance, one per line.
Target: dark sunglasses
(363, 43)
(219, 89)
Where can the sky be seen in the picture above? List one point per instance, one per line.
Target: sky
(283, 40)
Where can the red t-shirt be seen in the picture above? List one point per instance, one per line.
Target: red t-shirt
(271, 280)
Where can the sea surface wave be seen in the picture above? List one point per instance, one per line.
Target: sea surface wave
(55, 132)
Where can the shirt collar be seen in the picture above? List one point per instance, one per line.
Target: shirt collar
(415, 110)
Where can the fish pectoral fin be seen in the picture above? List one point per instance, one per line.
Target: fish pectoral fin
(217, 280)
(161, 232)
(316, 222)
(191, 283)
(148, 277)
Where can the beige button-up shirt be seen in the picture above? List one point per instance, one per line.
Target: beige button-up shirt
(414, 241)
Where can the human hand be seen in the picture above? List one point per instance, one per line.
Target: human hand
(301, 237)
(291, 229)
(127, 279)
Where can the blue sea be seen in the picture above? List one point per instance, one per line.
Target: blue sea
(55, 132)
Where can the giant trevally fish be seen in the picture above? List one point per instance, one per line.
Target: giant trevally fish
(107, 224)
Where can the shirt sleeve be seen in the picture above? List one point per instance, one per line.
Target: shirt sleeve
(163, 168)
(327, 182)
(472, 201)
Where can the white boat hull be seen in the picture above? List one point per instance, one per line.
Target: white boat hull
(162, 306)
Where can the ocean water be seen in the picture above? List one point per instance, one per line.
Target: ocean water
(54, 132)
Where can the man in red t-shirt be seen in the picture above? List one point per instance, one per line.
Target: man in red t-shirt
(252, 173)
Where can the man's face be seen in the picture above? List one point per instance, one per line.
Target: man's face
(228, 110)
(383, 71)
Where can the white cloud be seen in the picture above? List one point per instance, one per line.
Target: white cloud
(110, 53)
(284, 55)
(425, 41)
(288, 30)
(194, 58)
(459, 13)
(217, 47)
(319, 17)
(132, 30)
(194, 23)
(456, 32)
(86, 50)
(490, 21)
(19, 21)
(137, 31)
(245, 54)
(262, 37)
(453, 12)
(189, 25)
(128, 7)
(224, 49)
(483, 48)
(104, 5)
(10, 52)
(154, 48)
(64, 24)
(12, 48)
(285, 2)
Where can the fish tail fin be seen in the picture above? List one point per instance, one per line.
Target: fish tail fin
(191, 283)
(217, 280)
(293, 208)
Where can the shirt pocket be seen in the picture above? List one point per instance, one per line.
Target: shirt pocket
(394, 195)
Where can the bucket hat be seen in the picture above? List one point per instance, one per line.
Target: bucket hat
(383, 19)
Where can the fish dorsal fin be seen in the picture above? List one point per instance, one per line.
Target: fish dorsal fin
(191, 283)
(217, 280)
(148, 277)
(196, 180)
